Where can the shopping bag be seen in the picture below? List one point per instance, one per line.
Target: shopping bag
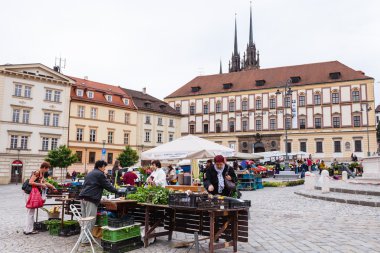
(35, 200)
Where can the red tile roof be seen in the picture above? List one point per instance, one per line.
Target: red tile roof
(100, 90)
(313, 73)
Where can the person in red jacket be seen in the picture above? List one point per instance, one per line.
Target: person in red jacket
(129, 177)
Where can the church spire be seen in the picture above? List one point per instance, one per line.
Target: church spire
(220, 68)
(252, 61)
(250, 27)
(235, 41)
(235, 59)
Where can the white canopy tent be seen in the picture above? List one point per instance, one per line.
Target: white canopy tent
(246, 156)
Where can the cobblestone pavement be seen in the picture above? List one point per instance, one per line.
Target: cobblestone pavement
(280, 222)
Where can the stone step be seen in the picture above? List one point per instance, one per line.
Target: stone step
(355, 199)
(352, 191)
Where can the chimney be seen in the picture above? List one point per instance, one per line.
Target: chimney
(144, 90)
(85, 78)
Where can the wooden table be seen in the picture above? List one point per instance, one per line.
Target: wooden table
(66, 202)
(119, 206)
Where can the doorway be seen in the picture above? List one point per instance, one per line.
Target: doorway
(259, 147)
(16, 171)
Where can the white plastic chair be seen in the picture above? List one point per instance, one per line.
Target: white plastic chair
(85, 232)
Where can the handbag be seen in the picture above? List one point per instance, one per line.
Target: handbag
(26, 187)
(35, 200)
(229, 184)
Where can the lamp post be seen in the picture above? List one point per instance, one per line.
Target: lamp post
(18, 170)
(367, 109)
(287, 92)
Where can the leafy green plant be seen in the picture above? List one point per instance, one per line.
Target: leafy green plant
(151, 194)
(61, 157)
(128, 157)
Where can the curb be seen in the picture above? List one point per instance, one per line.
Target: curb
(338, 200)
(349, 191)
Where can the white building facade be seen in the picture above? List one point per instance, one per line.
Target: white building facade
(34, 116)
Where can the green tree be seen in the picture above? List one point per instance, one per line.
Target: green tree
(62, 158)
(128, 157)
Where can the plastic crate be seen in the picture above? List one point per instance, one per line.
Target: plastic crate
(54, 229)
(119, 234)
(101, 220)
(122, 246)
(118, 223)
(40, 226)
(240, 204)
(186, 200)
(259, 183)
(214, 203)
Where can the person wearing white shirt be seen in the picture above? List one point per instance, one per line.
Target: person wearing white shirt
(158, 176)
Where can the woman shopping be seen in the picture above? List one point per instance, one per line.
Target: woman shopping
(36, 180)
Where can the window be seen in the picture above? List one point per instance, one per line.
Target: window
(79, 134)
(16, 115)
(272, 124)
(57, 96)
(93, 112)
(218, 106)
(91, 157)
(289, 147)
(126, 118)
(318, 122)
(110, 158)
(90, 94)
(110, 137)
(317, 99)
(356, 121)
(288, 122)
(192, 109)
(272, 103)
(358, 146)
(171, 123)
(55, 120)
(258, 124)
(48, 94)
(178, 108)
(126, 138)
(258, 104)
(159, 137)
(14, 140)
(218, 127)
(302, 123)
(92, 135)
(171, 137)
(337, 147)
(231, 126)
(46, 119)
(244, 105)
(45, 143)
(319, 146)
(109, 98)
(335, 98)
(159, 121)
(205, 109)
(111, 116)
(25, 116)
(79, 93)
(245, 125)
(205, 128)
(54, 143)
(126, 101)
(147, 119)
(303, 146)
(80, 111)
(18, 89)
(336, 122)
(147, 136)
(287, 102)
(191, 129)
(231, 106)
(28, 92)
(79, 156)
(355, 96)
(24, 142)
(301, 101)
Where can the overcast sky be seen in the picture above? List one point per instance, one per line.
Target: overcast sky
(164, 44)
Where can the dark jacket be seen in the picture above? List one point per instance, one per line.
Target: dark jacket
(93, 186)
(212, 179)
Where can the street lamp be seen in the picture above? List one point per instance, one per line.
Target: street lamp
(287, 92)
(367, 109)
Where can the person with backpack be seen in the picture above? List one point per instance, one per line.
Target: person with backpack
(36, 180)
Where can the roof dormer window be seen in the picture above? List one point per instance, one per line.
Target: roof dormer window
(79, 93)
(195, 89)
(295, 79)
(163, 107)
(126, 101)
(227, 86)
(148, 105)
(109, 98)
(335, 75)
(90, 94)
(260, 82)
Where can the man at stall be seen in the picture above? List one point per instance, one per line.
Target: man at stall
(217, 177)
(158, 176)
(94, 184)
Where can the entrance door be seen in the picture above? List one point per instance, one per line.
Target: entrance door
(16, 171)
(259, 147)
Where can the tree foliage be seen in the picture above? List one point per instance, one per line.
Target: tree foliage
(61, 157)
(378, 132)
(128, 157)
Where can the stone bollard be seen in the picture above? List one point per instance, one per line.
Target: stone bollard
(309, 181)
(344, 176)
(325, 181)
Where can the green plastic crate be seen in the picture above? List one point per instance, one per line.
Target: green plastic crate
(119, 234)
(54, 229)
(102, 220)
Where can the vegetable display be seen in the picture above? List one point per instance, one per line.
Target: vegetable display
(150, 194)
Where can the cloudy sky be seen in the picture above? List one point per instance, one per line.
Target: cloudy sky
(164, 44)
